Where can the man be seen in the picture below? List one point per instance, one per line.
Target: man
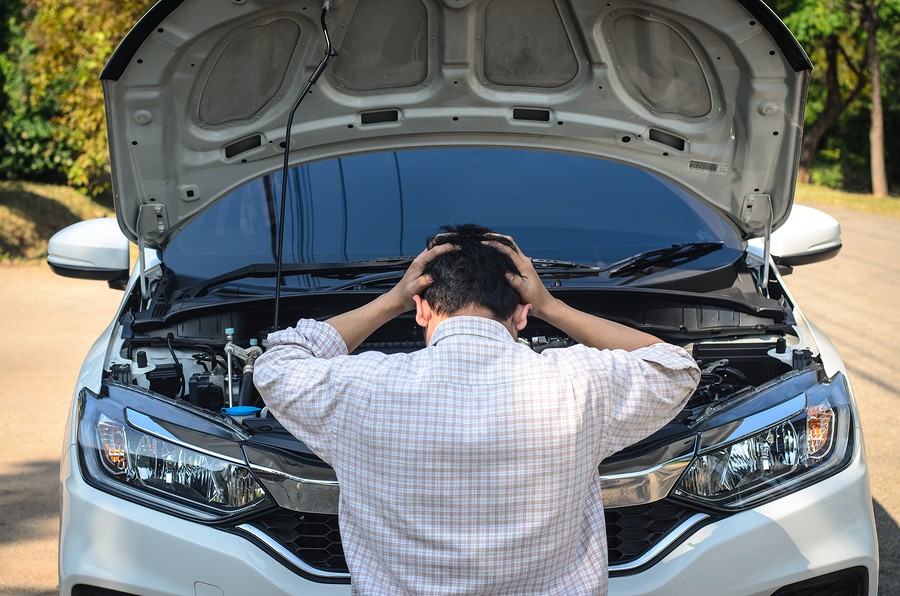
(470, 467)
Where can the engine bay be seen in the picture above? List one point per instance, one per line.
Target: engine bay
(207, 361)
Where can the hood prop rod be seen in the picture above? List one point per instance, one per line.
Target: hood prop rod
(329, 53)
(756, 213)
(767, 253)
(145, 289)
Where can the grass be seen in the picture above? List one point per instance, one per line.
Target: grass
(30, 213)
(820, 195)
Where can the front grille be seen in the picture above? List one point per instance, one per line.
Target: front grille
(315, 539)
(632, 531)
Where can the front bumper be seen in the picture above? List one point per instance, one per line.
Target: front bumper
(115, 544)
(827, 527)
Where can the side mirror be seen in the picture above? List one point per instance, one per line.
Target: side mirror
(91, 249)
(808, 236)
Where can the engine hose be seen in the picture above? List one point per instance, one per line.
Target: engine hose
(736, 373)
(178, 367)
(248, 394)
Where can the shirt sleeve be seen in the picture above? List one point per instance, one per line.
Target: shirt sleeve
(636, 393)
(295, 379)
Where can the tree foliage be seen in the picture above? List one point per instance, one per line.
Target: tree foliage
(28, 136)
(72, 41)
(836, 34)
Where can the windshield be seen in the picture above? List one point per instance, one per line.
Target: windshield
(556, 206)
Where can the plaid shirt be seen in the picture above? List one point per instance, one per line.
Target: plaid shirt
(470, 467)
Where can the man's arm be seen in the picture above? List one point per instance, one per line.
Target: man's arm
(585, 328)
(356, 325)
(591, 330)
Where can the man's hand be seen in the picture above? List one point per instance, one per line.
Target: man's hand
(528, 283)
(356, 325)
(583, 327)
(413, 281)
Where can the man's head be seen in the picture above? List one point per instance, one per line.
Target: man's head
(471, 280)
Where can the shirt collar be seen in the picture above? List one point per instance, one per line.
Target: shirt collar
(471, 325)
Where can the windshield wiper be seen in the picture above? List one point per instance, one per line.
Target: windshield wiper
(555, 268)
(548, 267)
(671, 256)
(262, 271)
(380, 270)
(542, 264)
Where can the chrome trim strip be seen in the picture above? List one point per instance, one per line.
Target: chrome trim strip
(294, 484)
(268, 470)
(757, 422)
(146, 424)
(288, 555)
(312, 489)
(662, 545)
(619, 490)
(299, 494)
(644, 559)
(640, 488)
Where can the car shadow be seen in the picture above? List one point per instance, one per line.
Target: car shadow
(889, 551)
(29, 498)
(40, 218)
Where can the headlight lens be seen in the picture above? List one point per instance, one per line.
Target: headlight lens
(162, 472)
(778, 458)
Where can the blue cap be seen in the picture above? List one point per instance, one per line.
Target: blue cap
(241, 411)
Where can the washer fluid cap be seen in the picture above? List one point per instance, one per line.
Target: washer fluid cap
(241, 411)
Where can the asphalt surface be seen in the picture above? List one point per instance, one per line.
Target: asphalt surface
(853, 298)
(49, 323)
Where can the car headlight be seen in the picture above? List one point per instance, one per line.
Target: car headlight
(759, 460)
(147, 457)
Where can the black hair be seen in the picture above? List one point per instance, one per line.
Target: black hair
(475, 274)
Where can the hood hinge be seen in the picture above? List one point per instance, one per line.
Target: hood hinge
(756, 214)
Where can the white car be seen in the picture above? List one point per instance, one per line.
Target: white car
(644, 152)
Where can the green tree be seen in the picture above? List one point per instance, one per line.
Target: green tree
(73, 40)
(846, 41)
(823, 28)
(28, 149)
(9, 18)
(873, 14)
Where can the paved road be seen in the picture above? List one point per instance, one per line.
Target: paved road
(49, 323)
(853, 298)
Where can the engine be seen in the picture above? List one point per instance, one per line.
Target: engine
(217, 376)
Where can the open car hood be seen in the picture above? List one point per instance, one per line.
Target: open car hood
(708, 93)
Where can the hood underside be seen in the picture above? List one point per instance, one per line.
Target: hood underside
(708, 93)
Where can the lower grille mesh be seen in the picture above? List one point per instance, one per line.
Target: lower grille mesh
(312, 537)
(316, 539)
(632, 531)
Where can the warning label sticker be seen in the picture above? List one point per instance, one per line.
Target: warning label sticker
(708, 167)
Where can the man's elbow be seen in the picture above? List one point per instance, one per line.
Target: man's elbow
(688, 380)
